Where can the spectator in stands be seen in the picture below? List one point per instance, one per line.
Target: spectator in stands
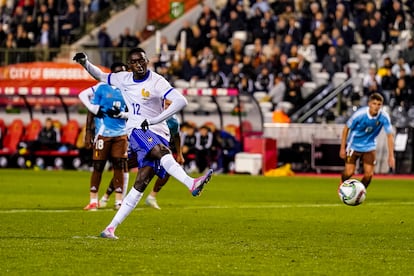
(235, 23)
(302, 70)
(394, 19)
(235, 77)
(246, 85)
(236, 49)
(261, 5)
(226, 147)
(286, 45)
(343, 51)
(225, 11)
(10, 44)
(322, 44)
(401, 96)
(166, 52)
(205, 58)
(126, 39)
(186, 28)
(105, 42)
(388, 80)
(69, 22)
(248, 69)
(48, 139)
(277, 93)
(401, 64)
(371, 82)
(262, 31)
(17, 19)
(264, 80)
(45, 41)
(215, 77)
(293, 29)
(204, 148)
(332, 63)
(293, 94)
(30, 26)
(408, 53)
(23, 41)
(347, 32)
(396, 28)
(197, 42)
(191, 70)
(188, 141)
(371, 32)
(307, 50)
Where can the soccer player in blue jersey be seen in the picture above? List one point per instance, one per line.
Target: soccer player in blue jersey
(110, 140)
(144, 92)
(359, 139)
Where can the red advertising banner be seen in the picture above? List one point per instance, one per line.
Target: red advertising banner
(45, 78)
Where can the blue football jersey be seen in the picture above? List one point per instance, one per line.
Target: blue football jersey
(364, 129)
(108, 97)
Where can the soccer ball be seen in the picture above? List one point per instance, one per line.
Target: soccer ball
(352, 192)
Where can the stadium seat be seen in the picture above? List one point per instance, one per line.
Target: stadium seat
(376, 51)
(260, 95)
(180, 83)
(315, 68)
(201, 84)
(32, 130)
(364, 62)
(338, 78)
(321, 78)
(266, 106)
(352, 68)
(307, 88)
(70, 132)
(356, 50)
(13, 136)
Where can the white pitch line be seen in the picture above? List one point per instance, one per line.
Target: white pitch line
(268, 206)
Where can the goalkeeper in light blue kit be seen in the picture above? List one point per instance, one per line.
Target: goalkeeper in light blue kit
(359, 139)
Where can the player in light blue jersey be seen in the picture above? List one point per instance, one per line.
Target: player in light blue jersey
(359, 139)
(110, 140)
(144, 92)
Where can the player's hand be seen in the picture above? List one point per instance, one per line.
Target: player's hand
(100, 112)
(80, 58)
(145, 125)
(114, 112)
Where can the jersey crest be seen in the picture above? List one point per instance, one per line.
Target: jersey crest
(144, 93)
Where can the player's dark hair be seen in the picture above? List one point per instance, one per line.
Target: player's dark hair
(376, 97)
(135, 51)
(116, 65)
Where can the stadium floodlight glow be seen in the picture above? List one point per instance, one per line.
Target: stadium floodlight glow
(58, 162)
(3, 162)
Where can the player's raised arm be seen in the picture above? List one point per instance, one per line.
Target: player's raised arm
(93, 70)
(178, 102)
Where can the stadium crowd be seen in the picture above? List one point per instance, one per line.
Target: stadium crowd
(250, 45)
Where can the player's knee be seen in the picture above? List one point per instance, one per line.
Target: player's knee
(119, 164)
(159, 151)
(99, 165)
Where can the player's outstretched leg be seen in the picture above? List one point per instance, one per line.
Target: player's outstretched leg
(200, 182)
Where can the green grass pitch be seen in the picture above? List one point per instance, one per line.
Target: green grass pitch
(240, 225)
